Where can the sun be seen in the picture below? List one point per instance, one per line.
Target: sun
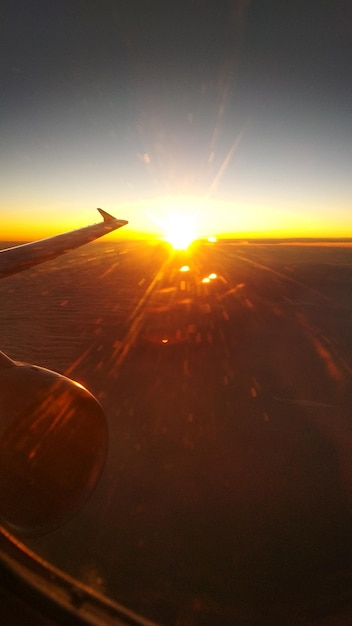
(180, 230)
(178, 221)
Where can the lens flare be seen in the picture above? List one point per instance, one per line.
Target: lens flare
(180, 230)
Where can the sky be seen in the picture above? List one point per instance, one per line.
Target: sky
(236, 112)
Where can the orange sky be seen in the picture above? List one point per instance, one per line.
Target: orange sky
(204, 217)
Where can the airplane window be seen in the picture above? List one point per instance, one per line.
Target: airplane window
(191, 460)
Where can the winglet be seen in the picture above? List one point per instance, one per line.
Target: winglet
(107, 217)
(110, 218)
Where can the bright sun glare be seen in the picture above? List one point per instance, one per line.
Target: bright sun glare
(180, 230)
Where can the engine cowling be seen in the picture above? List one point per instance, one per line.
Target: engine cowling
(53, 446)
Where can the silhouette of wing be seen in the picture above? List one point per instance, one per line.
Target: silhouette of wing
(19, 258)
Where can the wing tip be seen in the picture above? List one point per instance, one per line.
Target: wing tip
(110, 218)
(106, 216)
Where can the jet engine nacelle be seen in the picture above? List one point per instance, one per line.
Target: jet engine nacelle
(53, 446)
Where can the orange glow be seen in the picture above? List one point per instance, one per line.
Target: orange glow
(178, 220)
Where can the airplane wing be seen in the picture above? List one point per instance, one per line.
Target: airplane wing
(18, 258)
